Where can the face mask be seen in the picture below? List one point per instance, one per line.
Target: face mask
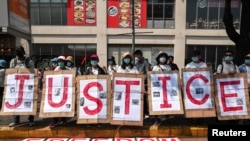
(194, 59)
(61, 64)
(247, 61)
(126, 60)
(228, 58)
(162, 59)
(69, 64)
(136, 59)
(110, 62)
(93, 62)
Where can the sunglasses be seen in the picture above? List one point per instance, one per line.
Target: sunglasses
(228, 54)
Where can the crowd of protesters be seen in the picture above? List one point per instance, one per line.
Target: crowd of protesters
(130, 63)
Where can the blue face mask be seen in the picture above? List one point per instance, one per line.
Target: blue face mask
(93, 62)
(126, 60)
(228, 58)
(247, 61)
(110, 62)
(194, 59)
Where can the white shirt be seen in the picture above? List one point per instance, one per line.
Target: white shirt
(127, 70)
(196, 65)
(111, 68)
(227, 68)
(165, 67)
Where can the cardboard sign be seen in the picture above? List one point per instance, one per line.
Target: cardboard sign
(164, 93)
(58, 96)
(20, 92)
(232, 98)
(93, 99)
(198, 93)
(127, 99)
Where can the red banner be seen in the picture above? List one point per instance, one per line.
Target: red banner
(120, 13)
(82, 12)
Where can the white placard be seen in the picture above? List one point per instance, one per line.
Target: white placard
(197, 90)
(127, 99)
(231, 96)
(165, 92)
(93, 99)
(19, 93)
(58, 93)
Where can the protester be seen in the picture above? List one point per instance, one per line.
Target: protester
(227, 66)
(143, 67)
(70, 65)
(53, 63)
(196, 61)
(21, 61)
(112, 66)
(161, 66)
(245, 68)
(63, 120)
(127, 66)
(171, 63)
(2, 77)
(94, 68)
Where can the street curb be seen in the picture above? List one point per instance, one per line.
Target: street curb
(100, 131)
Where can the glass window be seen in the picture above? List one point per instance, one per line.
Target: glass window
(209, 13)
(56, 14)
(160, 13)
(44, 15)
(48, 12)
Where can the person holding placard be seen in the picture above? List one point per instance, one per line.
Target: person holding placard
(2, 77)
(143, 67)
(112, 66)
(61, 61)
(94, 68)
(171, 63)
(245, 68)
(196, 61)
(162, 66)
(127, 66)
(21, 61)
(227, 66)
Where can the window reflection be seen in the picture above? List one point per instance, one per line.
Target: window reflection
(208, 14)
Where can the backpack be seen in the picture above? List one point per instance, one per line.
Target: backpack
(223, 66)
(26, 62)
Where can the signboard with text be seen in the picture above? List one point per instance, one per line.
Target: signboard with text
(232, 97)
(198, 92)
(58, 96)
(127, 99)
(164, 93)
(20, 92)
(120, 13)
(81, 12)
(93, 99)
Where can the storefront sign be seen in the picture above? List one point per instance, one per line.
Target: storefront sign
(120, 13)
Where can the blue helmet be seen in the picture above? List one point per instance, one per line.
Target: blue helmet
(2, 63)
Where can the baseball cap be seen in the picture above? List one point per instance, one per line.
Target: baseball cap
(54, 59)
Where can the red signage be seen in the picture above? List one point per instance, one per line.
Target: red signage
(81, 12)
(120, 13)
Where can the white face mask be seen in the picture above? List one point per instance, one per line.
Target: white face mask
(162, 59)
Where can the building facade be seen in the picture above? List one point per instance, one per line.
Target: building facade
(175, 26)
